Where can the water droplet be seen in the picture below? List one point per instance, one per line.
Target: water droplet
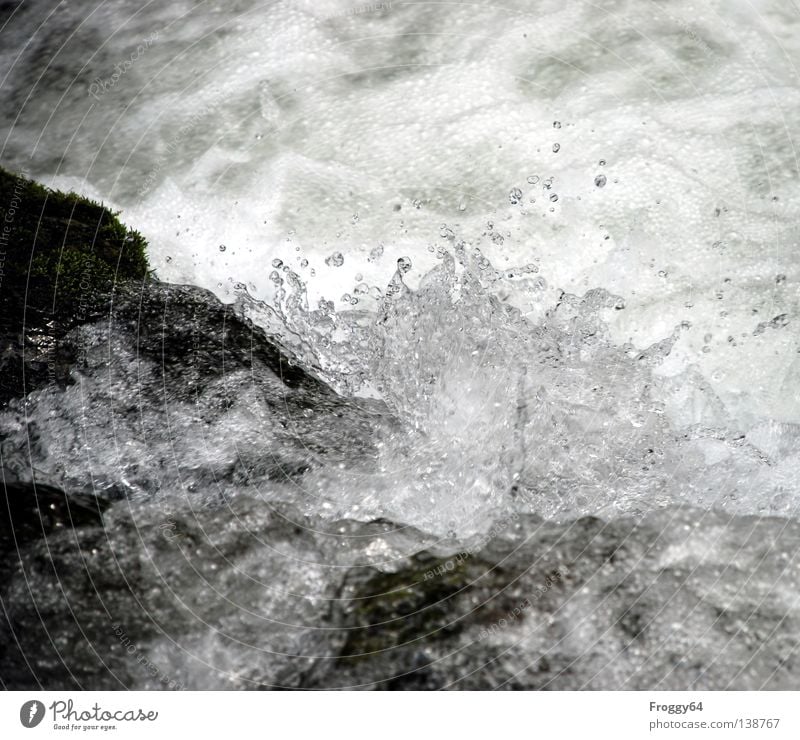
(780, 279)
(600, 181)
(222, 247)
(515, 196)
(354, 219)
(533, 179)
(403, 265)
(556, 124)
(275, 277)
(335, 260)
(602, 162)
(276, 263)
(556, 148)
(553, 197)
(304, 263)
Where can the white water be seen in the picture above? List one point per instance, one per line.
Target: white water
(253, 132)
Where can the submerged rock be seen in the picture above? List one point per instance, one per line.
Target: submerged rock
(256, 596)
(174, 393)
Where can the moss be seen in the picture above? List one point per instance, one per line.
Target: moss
(397, 609)
(62, 256)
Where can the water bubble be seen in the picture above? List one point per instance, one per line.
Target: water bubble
(780, 279)
(335, 260)
(533, 179)
(553, 197)
(416, 203)
(403, 265)
(462, 204)
(600, 181)
(556, 124)
(556, 148)
(354, 218)
(304, 263)
(376, 253)
(222, 247)
(361, 289)
(275, 277)
(276, 263)
(514, 196)
(602, 162)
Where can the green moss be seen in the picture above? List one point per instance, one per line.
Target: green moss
(394, 609)
(63, 255)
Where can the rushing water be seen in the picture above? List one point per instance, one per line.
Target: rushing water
(546, 253)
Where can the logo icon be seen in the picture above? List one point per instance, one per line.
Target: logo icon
(32, 713)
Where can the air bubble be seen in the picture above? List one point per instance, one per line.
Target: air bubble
(600, 181)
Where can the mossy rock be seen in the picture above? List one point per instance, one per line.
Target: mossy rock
(62, 257)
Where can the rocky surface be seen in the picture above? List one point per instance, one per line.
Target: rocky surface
(252, 596)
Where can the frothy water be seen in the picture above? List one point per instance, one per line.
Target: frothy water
(625, 175)
(554, 250)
